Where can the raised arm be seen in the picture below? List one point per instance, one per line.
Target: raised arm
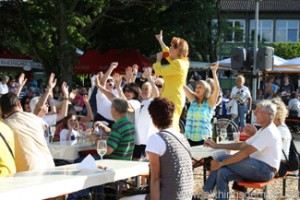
(159, 38)
(113, 66)
(51, 84)
(100, 87)
(212, 100)
(190, 95)
(64, 107)
(135, 70)
(155, 92)
(89, 117)
(22, 81)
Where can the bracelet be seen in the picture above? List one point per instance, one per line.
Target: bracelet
(65, 98)
(134, 74)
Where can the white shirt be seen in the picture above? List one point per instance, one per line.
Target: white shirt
(157, 145)
(104, 105)
(144, 126)
(294, 104)
(268, 143)
(3, 88)
(63, 134)
(244, 90)
(286, 140)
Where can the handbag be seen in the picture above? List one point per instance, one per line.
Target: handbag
(292, 162)
(10, 150)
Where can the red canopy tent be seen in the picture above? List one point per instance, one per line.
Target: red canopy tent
(93, 61)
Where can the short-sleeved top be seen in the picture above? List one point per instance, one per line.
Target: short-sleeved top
(122, 139)
(157, 145)
(3, 88)
(7, 161)
(242, 94)
(64, 132)
(268, 143)
(31, 150)
(103, 105)
(286, 140)
(198, 121)
(144, 125)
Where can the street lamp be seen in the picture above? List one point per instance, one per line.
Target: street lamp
(254, 72)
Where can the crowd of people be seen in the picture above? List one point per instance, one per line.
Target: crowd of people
(140, 117)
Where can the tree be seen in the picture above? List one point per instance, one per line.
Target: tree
(52, 30)
(287, 50)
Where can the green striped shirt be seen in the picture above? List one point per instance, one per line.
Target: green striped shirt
(122, 139)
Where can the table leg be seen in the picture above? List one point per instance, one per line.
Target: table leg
(117, 190)
(204, 174)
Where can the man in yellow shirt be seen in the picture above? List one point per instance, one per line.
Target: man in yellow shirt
(7, 161)
(174, 73)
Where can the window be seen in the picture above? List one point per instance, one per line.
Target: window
(265, 30)
(287, 30)
(235, 31)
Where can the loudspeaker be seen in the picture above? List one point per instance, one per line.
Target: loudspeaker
(265, 58)
(250, 58)
(238, 57)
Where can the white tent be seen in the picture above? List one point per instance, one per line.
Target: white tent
(290, 66)
(226, 63)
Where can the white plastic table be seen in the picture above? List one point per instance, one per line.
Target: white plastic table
(66, 179)
(68, 150)
(199, 152)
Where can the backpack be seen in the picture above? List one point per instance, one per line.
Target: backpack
(292, 163)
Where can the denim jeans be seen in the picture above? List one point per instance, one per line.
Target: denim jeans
(242, 113)
(248, 169)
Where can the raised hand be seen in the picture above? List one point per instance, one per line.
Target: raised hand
(114, 65)
(147, 73)
(215, 67)
(118, 80)
(159, 36)
(135, 69)
(22, 80)
(98, 80)
(128, 74)
(52, 81)
(65, 89)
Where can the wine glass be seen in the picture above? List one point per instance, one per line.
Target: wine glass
(223, 134)
(101, 148)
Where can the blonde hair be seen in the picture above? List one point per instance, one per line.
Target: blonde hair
(147, 84)
(282, 112)
(181, 45)
(241, 77)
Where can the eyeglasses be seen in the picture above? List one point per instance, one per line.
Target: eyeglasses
(159, 86)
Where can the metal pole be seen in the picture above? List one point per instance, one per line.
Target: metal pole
(255, 72)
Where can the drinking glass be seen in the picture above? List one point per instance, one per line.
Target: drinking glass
(101, 148)
(223, 134)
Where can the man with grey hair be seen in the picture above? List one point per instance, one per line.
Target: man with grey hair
(258, 158)
(3, 85)
(121, 140)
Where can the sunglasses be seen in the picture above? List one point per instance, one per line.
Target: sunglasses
(158, 86)
(109, 80)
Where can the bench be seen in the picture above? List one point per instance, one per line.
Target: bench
(257, 185)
